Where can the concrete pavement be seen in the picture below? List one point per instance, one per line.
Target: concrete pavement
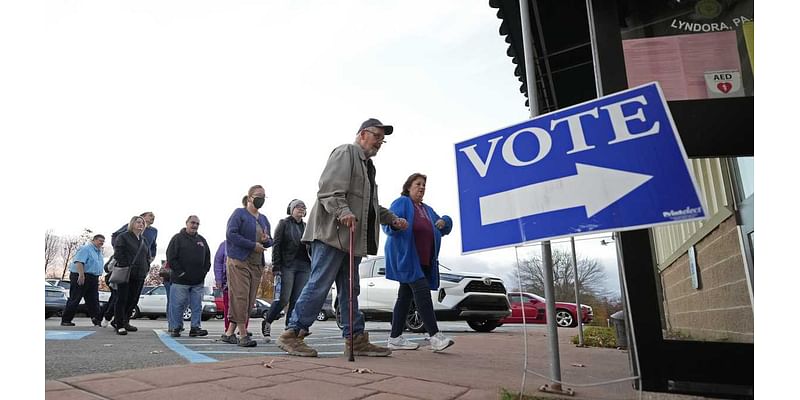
(476, 367)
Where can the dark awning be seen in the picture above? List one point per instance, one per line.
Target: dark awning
(562, 50)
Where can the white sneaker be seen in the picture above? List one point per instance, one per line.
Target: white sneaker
(440, 342)
(401, 343)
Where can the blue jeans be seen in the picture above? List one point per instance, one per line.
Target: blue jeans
(181, 296)
(293, 279)
(328, 265)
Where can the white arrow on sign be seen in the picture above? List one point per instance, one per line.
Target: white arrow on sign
(594, 188)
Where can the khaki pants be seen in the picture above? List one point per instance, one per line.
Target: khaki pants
(243, 281)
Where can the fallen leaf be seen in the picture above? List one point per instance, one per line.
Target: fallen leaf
(268, 364)
(363, 371)
(578, 365)
(156, 352)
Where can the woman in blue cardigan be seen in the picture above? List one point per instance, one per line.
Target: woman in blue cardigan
(246, 239)
(412, 259)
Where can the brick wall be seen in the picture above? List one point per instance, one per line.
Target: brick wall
(720, 310)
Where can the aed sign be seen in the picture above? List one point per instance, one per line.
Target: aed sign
(610, 164)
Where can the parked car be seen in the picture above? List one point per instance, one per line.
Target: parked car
(153, 304)
(535, 311)
(104, 295)
(64, 284)
(260, 309)
(219, 302)
(327, 309)
(477, 298)
(55, 299)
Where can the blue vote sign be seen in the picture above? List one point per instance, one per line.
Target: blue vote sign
(609, 164)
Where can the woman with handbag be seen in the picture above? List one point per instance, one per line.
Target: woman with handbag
(130, 251)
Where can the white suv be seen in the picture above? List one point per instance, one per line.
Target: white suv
(153, 304)
(478, 298)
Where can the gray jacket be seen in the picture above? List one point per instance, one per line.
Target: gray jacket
(343, 189)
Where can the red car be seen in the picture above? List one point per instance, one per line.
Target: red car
(535, 309)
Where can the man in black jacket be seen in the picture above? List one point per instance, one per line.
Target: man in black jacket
(189, 259)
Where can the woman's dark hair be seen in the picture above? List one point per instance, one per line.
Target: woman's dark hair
(410, 180)
(244, 200)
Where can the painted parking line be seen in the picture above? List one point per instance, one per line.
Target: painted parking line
(273, 353)
(181, 350)
(66, 335)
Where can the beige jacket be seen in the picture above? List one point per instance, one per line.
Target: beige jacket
(343, 189)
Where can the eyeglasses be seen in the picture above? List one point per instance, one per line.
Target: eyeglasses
(378, 138)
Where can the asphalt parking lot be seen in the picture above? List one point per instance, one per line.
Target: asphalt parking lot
(83, 349)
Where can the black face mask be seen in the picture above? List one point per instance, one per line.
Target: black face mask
(258, 202)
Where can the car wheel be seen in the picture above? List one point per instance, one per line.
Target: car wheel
(322, 316)
(152, 317)
(339, 319)
(485, 325)
(414, 320)
(135, 312)
(205, 317)
(48, 314)
(565, 319)
(187, 314)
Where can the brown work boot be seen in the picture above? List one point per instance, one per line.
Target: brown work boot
(290, 342)
(362, 347)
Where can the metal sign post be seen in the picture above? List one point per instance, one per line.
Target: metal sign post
(547, 258)
(577, 293)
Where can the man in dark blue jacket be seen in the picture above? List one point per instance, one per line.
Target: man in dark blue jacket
(189, 259)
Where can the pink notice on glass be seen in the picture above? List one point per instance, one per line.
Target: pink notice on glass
(680, 63)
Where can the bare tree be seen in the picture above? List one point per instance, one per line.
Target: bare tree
(51, 247)
(591, 277)
(70, 246)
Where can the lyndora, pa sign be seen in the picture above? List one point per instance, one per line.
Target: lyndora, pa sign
(613, 163)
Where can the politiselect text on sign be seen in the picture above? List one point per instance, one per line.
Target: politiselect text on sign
(612, 163)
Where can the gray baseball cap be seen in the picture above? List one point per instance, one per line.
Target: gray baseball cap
(387, 129)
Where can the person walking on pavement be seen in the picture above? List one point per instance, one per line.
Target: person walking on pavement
(165, 273)
(247, 237)
(151, 234)
(86, 268)
(412, 258)
(290, 261)
(130, 250)
(221, 279)
(189, 259)
(347, 199)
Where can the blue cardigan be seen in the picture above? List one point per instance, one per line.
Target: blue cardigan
(240, 235)
(402, 261)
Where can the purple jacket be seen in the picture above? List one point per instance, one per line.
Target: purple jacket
(220, 271)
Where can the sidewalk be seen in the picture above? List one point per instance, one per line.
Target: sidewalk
(476, 367)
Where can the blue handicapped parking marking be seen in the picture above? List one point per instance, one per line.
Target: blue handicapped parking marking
(66, 335)
(181, 350)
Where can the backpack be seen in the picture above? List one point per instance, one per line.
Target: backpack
(112, 262)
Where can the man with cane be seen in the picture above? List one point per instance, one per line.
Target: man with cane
(342, 228)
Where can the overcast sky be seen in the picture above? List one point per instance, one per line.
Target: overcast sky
(178, 107)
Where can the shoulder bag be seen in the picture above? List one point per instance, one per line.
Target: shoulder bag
(123, 274)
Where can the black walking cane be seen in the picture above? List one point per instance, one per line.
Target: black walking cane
(352, 233)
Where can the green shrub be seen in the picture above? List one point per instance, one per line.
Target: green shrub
(597, 336)
(506, 395)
